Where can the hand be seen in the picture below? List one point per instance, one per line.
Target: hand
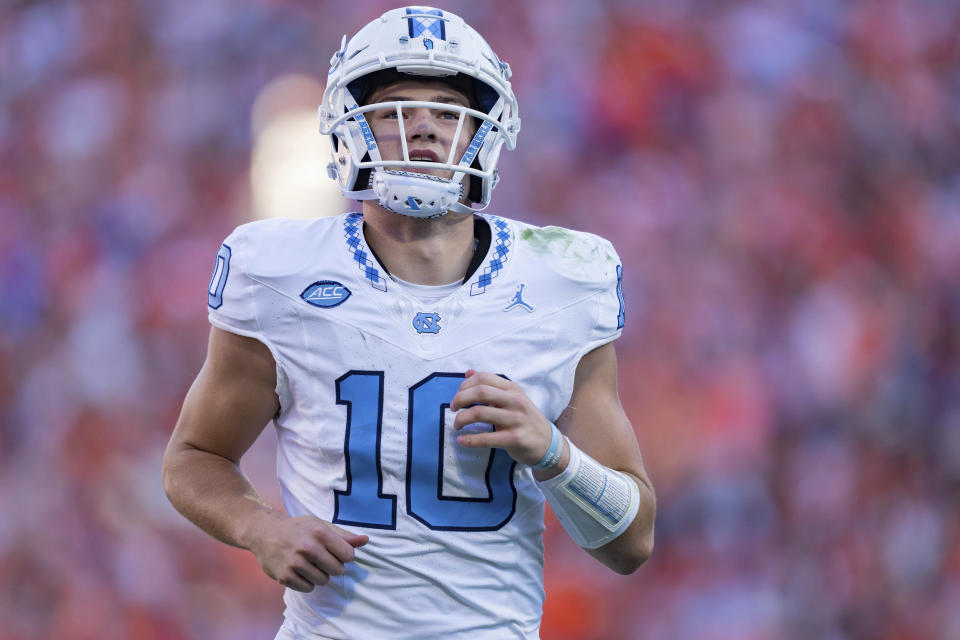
(305, 551)
(520, 429)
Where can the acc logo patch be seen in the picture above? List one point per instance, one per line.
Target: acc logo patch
(325, 293)
(427, 322)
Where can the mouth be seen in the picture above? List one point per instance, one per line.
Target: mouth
(423, 155)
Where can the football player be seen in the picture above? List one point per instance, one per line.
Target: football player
(435, 374)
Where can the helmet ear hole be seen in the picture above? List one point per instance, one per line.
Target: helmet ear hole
(363, 176)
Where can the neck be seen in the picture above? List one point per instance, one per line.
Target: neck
(423, 251)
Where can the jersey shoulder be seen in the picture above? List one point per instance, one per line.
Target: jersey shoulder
(264, 265)
(279, 246)
(578, 273)
(575, 257)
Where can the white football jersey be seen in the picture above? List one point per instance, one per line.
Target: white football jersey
(365, 374)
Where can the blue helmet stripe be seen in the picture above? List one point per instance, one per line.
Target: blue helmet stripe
(417, 25)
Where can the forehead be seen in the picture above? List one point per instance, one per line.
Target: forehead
(427, 90)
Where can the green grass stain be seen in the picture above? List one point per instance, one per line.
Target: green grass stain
(555, 240)
(579, 254)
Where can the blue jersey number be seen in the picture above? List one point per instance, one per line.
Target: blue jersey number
(621, 316)
(363, 503)
(221, 269)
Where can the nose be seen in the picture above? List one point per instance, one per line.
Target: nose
(422, 126)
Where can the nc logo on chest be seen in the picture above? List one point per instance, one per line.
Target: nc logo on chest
(427, 322)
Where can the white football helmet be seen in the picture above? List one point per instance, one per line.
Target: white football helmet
(417, 41)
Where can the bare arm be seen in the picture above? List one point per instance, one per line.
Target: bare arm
(594, 421)
(226, 409)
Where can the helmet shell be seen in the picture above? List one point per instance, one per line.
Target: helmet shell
(419, 42)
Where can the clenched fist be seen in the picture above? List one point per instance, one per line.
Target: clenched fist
(304, 551)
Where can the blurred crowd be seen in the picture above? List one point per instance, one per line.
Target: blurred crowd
(780, 177)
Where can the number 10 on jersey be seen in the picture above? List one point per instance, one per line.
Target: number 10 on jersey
(364, 503)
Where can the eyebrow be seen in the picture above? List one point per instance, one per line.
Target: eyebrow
(446, 99)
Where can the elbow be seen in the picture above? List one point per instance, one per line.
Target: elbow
(627, 553)
(168, 477)
(633, 558)
(176, 459)
(638, 546)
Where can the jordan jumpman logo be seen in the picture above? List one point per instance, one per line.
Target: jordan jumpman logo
(518, 300)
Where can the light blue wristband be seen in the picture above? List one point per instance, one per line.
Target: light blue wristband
(554, 451)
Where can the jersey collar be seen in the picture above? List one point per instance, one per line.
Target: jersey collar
(494, 246)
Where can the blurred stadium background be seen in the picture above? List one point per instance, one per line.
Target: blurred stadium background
(780, 178)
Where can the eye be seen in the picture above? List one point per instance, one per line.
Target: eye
(450, 115)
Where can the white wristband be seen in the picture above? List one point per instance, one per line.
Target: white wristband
(594, 503)
(554, 451)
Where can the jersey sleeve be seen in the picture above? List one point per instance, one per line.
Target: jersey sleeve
(235, 299)
(610, 313)
(232, 293)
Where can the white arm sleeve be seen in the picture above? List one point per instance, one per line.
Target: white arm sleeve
(594, 503)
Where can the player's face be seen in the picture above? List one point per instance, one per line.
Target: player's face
(429, 132)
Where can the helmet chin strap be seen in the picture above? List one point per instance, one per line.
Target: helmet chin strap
(459, 207)
(417, 195)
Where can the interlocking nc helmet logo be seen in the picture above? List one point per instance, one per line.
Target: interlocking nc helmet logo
(427, 322)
